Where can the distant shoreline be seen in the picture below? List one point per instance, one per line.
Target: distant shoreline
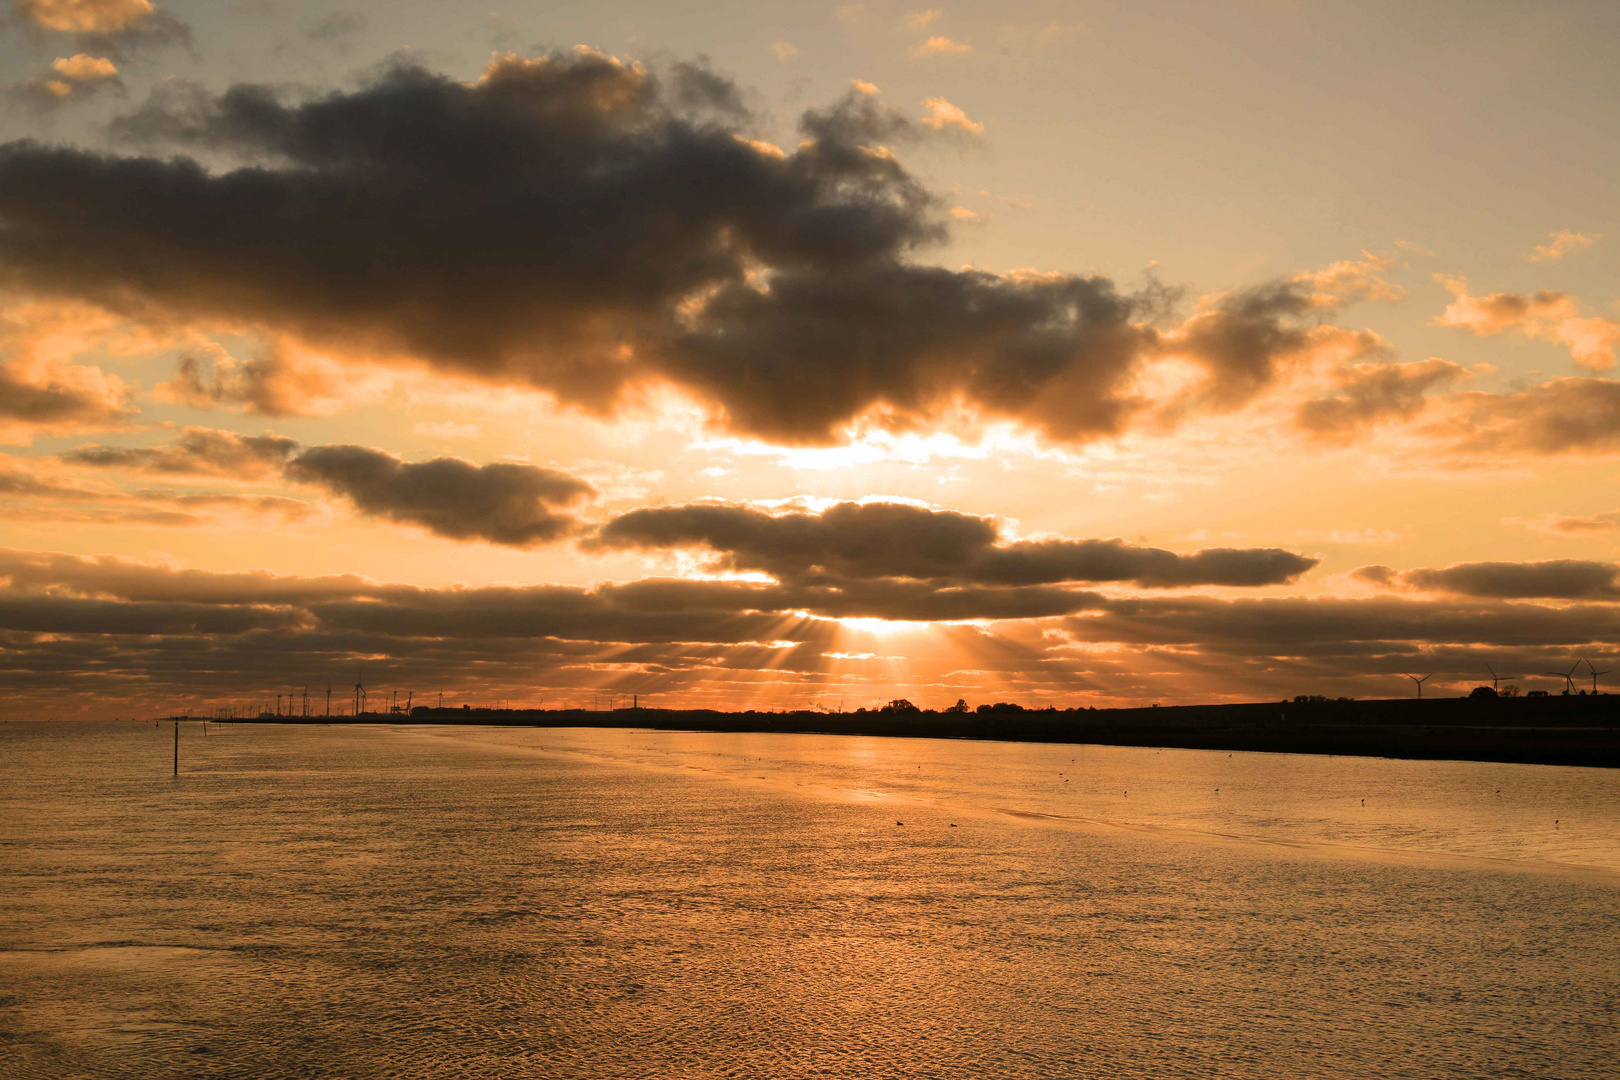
(1541, 731)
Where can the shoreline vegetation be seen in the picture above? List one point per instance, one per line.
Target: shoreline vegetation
(1562, 730)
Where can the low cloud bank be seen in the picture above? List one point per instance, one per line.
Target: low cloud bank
(859, 541)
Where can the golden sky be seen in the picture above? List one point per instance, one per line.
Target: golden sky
(815, 355)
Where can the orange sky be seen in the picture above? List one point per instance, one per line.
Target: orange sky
(816, 362)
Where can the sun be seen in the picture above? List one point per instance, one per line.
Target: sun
(879, 627)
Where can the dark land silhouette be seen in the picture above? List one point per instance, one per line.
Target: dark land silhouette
(1552, 730)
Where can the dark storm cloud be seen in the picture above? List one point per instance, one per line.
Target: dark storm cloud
(893, 540)
(204, 451)
(579, 225)
(504, 503)
(1556, 579)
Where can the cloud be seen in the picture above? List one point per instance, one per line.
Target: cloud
(1561, 243)
(859, 541)
(940, 45)
(337, 26)
(784, 50)
(198, 451)
(1557, 579)
(1546, 316)
(71, 77)
(1306, 626)
(942, 116)
(108, 26)
(286, 381)
(919, 20)
(66, 398)
(1351, 280)
(62, 615)
(27, 485)
(585, 226)
(1560, 416)
(83, 69)
(503, 503)
(1369, 393)
(1571, 526)
(40, 390)
(1241, 339)
(85, 16)
(48, 501)
(111, 576)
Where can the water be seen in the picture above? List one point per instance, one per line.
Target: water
(370, 902)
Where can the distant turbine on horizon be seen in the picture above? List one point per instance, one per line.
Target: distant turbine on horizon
(1595, 673)
(1567, 676)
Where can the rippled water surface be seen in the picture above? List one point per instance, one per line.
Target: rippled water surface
(445, 902)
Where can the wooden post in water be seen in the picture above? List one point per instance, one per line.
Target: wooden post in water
(177, 747)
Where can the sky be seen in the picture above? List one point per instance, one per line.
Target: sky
(804, 355)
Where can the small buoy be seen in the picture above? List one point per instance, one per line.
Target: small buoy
(899, 823)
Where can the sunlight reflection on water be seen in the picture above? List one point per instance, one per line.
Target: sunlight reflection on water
(363, 902)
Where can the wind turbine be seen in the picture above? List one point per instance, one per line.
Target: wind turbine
(1569, 682)
(1420, 683)
(1496, 679)
(359, 692)
(1595, 673)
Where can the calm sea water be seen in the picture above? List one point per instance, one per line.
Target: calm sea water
(476, 902)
